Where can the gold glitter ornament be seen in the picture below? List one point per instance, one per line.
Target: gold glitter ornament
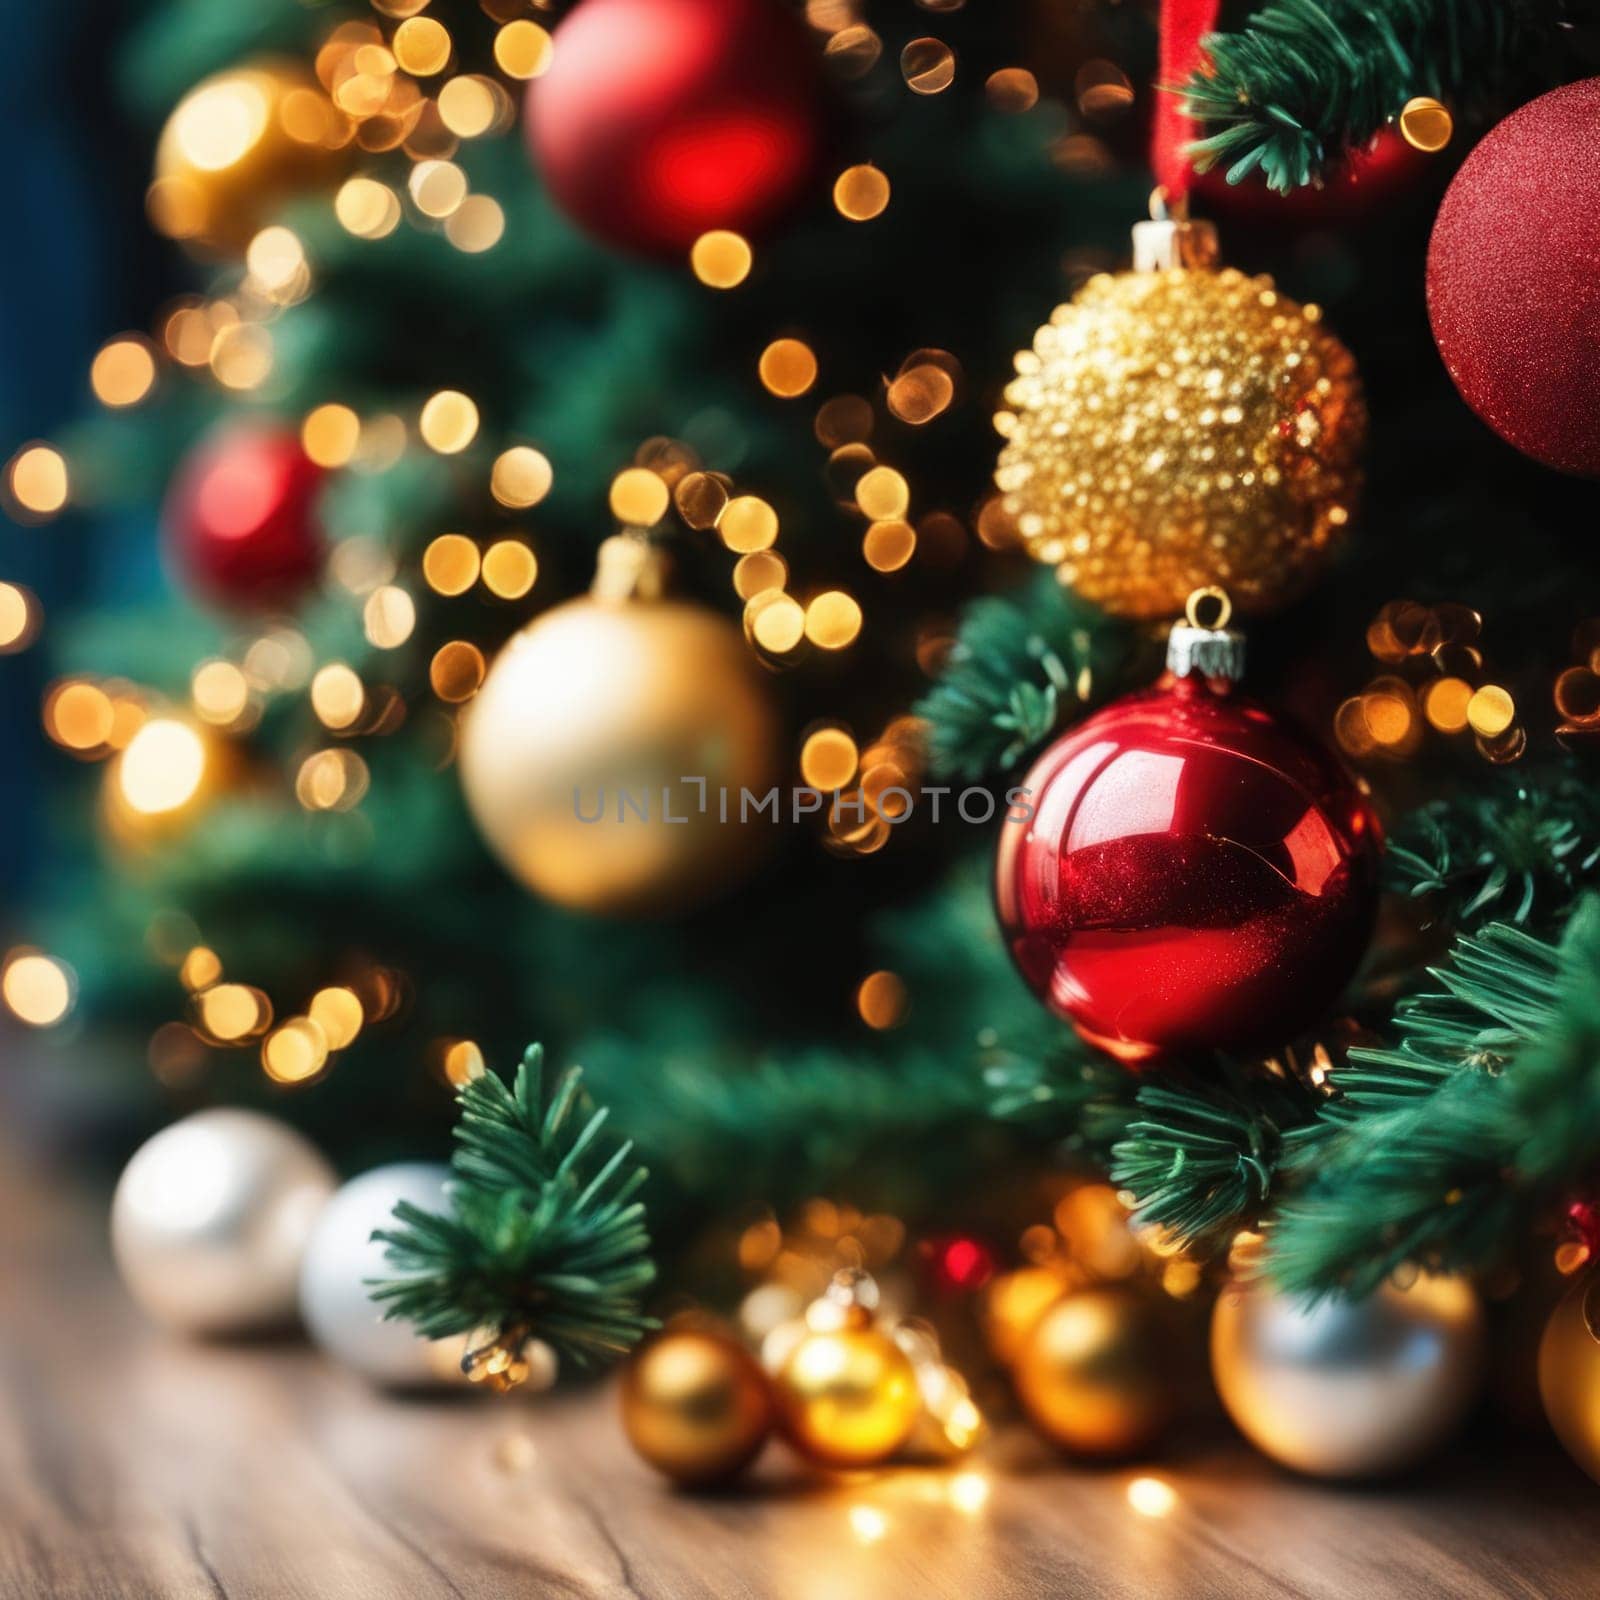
(1177, 426)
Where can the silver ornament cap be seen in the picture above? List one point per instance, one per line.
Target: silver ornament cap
(1203, 642)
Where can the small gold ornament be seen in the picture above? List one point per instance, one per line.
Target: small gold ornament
(1178, 426)
(1348, 1389)
(1569, 1372)
(238, 145)
(607, 755)
(1094, 1373)
(695, 1405)
(847, 1392)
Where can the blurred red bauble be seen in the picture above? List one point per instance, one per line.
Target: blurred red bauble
(1197, 873)
(240, 519)
(662, 119)
(1512, 290)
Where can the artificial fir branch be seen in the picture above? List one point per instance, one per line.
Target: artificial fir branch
(542, 1240)
(1306, 81)
(1200, 1160)
(1519, 850)
(1021, 665)
(1443, 1149)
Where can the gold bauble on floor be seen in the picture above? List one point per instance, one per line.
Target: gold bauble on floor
(1569, 1373)
(239, 144)
(1348, 1388)
(848, 1397)
(599, 707)
(695, 1405)
(1094, 1373)
(1178, 428)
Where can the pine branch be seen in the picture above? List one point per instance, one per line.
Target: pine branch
(542, 1240)
(1440, 1150)
(1200, 1160)
(1021, 666)
(1306, 81)
(1079, 1097)
(1521, 850)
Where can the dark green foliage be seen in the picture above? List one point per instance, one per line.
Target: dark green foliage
(1305, 81)
(1200, 1157)
(1441, 1149)
(1519, 850)
(541, 1237)
(1023, 664)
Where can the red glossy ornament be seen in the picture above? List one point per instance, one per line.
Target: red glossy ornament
(659, 120)
(240, 519)
(1197, 873)
(1512, 290)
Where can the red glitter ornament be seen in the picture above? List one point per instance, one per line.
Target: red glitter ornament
(240, 524)
(662, 119)
(1196, 873)
(1512, 291)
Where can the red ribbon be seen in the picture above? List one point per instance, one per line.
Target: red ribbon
(1183, 24)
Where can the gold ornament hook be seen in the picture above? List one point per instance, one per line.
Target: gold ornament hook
(1198, 597)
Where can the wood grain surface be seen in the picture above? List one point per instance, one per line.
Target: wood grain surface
(134, 1465)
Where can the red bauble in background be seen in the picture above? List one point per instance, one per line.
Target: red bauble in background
(240, 519)
(659, 120)
(1513, 293)
(1197, 873)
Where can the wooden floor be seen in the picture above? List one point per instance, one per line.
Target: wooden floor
(132, 1465)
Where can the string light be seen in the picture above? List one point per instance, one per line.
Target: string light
(162, 768)
(19, 618)
(888, 546)
(337, 696)
(639, 497)
(882, 1001)
(828, 759)
(720, 259)
(788, 368)
(456, 671)
(522, 49)
(509, 569)
(233, 1012)
(520, 477)
(123, 371)
(882, 494)
(330, 433)
(220, 693)
(861, 193)
(38, 989)
(833, 620)
(748, 523)
(294, 1052)
(366, 208)
(477, 224)
(338, 1012)
(36, 483)
(450, 564)
(422, 46)
(928, 66)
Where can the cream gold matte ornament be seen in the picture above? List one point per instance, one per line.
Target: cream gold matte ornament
(210, 1220)
(695, 1405)
(342, 1255)
(597, 756)
(237, 146)
(1569, 1373)
(1348, 1388)
(1179, 426)
(1095, 1373)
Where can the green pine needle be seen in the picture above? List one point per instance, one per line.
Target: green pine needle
(1022, 665)
(1306, 81)
(1200, 1160)
(542, 1236)
(1441, 1150)
(1519, 851)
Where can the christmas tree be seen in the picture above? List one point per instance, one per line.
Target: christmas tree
(601, 611)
